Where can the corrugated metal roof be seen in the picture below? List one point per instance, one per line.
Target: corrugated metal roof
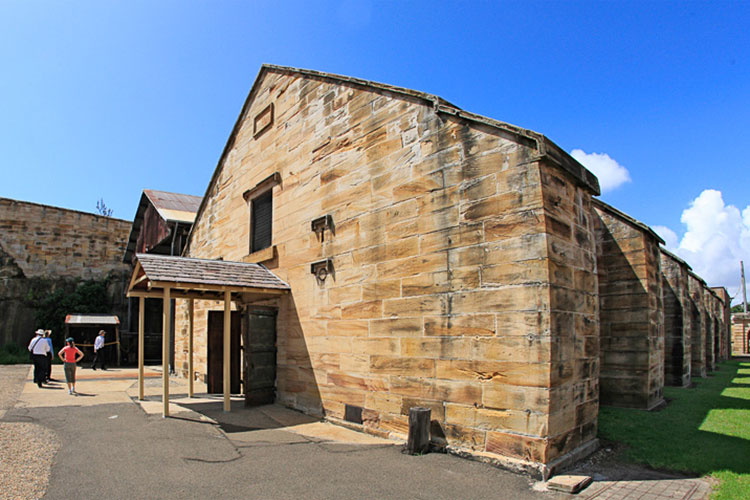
(208, 272)
(92, 319)
(174, 206)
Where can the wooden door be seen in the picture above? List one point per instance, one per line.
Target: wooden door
(260, 356)
(216, 352)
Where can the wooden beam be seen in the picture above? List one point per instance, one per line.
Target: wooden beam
(177, 294)
(191, 375)
(117, 344)
(135, 276)
(219, 296)
(142, 278)
(141, 328)
(227, 346)
(165, 351)
(215, 288)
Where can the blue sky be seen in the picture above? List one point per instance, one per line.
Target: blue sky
(104, 99)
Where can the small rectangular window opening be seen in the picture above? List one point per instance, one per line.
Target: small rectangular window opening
(261, 221)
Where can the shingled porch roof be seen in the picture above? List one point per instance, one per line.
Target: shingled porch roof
(201, 278)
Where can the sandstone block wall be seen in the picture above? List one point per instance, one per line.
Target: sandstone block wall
(631, 311)
(698, 331)
(710, 321)
(677, 320)
(725, 321)
(463, 267)
(48, 246)
(740, 334)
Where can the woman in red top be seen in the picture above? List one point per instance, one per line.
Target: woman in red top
(70, 355)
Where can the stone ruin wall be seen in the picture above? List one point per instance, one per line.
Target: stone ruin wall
(677, 321)
(631, 312)
(464, 271)
(43, 248)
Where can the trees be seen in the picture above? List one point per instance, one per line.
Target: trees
(102, 209)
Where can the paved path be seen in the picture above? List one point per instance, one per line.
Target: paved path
(115, 447)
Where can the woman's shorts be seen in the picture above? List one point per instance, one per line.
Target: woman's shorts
(70, 373)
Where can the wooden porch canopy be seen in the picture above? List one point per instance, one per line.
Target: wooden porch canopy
(168, 277)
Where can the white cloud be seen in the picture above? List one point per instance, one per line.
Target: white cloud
(611, 174)
(716, 239)
(671, 241)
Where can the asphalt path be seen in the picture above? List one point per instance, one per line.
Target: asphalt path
(120, 451)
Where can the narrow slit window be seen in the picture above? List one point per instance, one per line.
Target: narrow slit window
(262, 217)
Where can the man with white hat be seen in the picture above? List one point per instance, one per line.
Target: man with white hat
(39, 348)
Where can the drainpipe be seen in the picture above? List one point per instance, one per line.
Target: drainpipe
(174, 237)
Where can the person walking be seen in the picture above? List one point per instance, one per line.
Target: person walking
(99, 350)
(48, 339)
(38, 349)
(70, 355)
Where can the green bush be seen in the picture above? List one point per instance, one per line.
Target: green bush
(14, 354)
(52, 306)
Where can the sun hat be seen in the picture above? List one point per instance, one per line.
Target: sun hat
(40, 332)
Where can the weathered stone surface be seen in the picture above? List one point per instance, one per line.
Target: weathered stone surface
(463, 277)
(677, 320)
(631, 305)
(698, 333)
(53, 247)
(569, 483)
(740, 334)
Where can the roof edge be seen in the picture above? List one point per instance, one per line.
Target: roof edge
(547, 149)
(64, 209)
(676, 258)
(617, 213)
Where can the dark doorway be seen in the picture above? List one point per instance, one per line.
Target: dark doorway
(260, 356)
(215, 380)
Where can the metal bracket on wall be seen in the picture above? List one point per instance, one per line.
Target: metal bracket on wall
(322, 269)
(320, 224)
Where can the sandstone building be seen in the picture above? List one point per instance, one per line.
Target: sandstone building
(677, 319)
(435, 257)
(43, 248)
(161, 225)
(740, 334)
(383, 249)
(631, 310)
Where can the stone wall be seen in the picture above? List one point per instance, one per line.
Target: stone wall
(463, 275)
(677, 320)
(710, 322)
(698, 366)
(43, 248)
(740, 334)
(631, 311)
(724, 315)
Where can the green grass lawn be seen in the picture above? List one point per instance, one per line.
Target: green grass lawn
(704, 430)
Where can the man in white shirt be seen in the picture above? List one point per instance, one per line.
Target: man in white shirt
(99, 350)
(39, 348)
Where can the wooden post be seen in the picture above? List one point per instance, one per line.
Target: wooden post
(419, 431)
(227, 345)
(141, 327)
(191, 375)
(117, 345)
(165, 352)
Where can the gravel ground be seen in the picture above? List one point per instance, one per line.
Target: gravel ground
(26, 449)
